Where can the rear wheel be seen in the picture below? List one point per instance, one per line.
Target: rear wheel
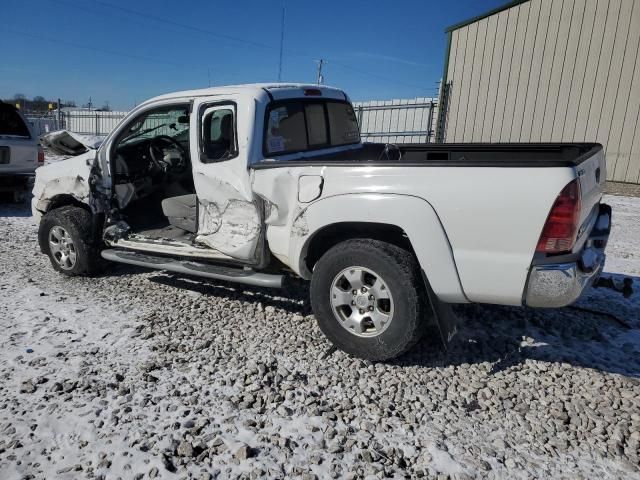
(369, 300)
(66, 236)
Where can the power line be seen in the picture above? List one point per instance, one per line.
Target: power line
(183, 25)
(98, 49)
(374, 75)
(280, 48)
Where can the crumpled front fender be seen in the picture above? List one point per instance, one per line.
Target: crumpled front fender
(65, 178)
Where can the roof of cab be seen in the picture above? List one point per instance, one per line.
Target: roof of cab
(274, 90)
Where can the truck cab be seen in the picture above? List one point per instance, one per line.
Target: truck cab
(178, 168)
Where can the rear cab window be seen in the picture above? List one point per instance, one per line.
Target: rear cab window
(301, 125)
(11, 123)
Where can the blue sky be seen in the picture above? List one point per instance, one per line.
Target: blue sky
(126, 51)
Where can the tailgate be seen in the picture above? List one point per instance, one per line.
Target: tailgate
(591, 174)
(18, 155)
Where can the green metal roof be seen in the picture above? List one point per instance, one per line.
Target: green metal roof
(484, 15)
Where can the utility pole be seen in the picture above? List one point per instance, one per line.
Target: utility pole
(320, 79)
(281, 44)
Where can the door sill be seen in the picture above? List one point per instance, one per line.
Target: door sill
(167, 246)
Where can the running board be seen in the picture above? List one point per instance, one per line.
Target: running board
(229, 274)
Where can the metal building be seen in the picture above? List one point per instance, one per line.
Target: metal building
(548, 71)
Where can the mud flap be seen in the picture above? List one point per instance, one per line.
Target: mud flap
(443, 314)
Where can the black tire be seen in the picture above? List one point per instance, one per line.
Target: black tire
(400, 272)
(77, 222)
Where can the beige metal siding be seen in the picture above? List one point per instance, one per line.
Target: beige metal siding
(550, 70)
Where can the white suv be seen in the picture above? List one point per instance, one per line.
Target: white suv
(20, 152)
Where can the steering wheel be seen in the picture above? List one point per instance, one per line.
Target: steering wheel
(156, 145)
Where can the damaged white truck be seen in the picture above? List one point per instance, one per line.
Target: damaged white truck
(254, 183)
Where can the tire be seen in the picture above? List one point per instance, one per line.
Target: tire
(68, 232)
(383, 270)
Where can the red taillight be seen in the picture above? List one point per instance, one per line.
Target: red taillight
(40, 155)
(560, 230)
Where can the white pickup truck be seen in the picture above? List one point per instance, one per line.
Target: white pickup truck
(253, 183)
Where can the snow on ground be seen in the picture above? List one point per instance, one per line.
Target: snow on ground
(140, 374)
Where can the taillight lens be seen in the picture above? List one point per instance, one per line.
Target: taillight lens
(40, 155)
(560, 230)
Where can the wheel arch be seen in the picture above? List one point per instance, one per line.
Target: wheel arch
(403, 220)
(330, 235)
(65, 200)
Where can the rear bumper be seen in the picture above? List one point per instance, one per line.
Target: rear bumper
(553, 285)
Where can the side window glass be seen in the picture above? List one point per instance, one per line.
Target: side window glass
(218, 135)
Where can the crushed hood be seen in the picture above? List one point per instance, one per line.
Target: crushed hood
(64, 142)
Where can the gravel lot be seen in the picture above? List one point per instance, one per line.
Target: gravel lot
(140, 374)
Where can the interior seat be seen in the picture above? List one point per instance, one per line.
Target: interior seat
(220, 148)
(182, 211)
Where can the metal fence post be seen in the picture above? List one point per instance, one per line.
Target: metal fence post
(430, 122)
(59, 116)
(97, 126)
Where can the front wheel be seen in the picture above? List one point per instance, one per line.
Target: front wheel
(66, 236)
(369, 300)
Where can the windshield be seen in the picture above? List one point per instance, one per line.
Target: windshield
(11, 124)
(303, 125)
(172, 121)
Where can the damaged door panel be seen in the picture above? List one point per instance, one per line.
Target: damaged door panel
(286, 194)
(229, 214)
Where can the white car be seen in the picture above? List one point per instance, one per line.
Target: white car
(20, 152)
(254, 183)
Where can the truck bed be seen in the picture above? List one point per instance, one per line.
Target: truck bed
(492, 210)
(508, 155)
